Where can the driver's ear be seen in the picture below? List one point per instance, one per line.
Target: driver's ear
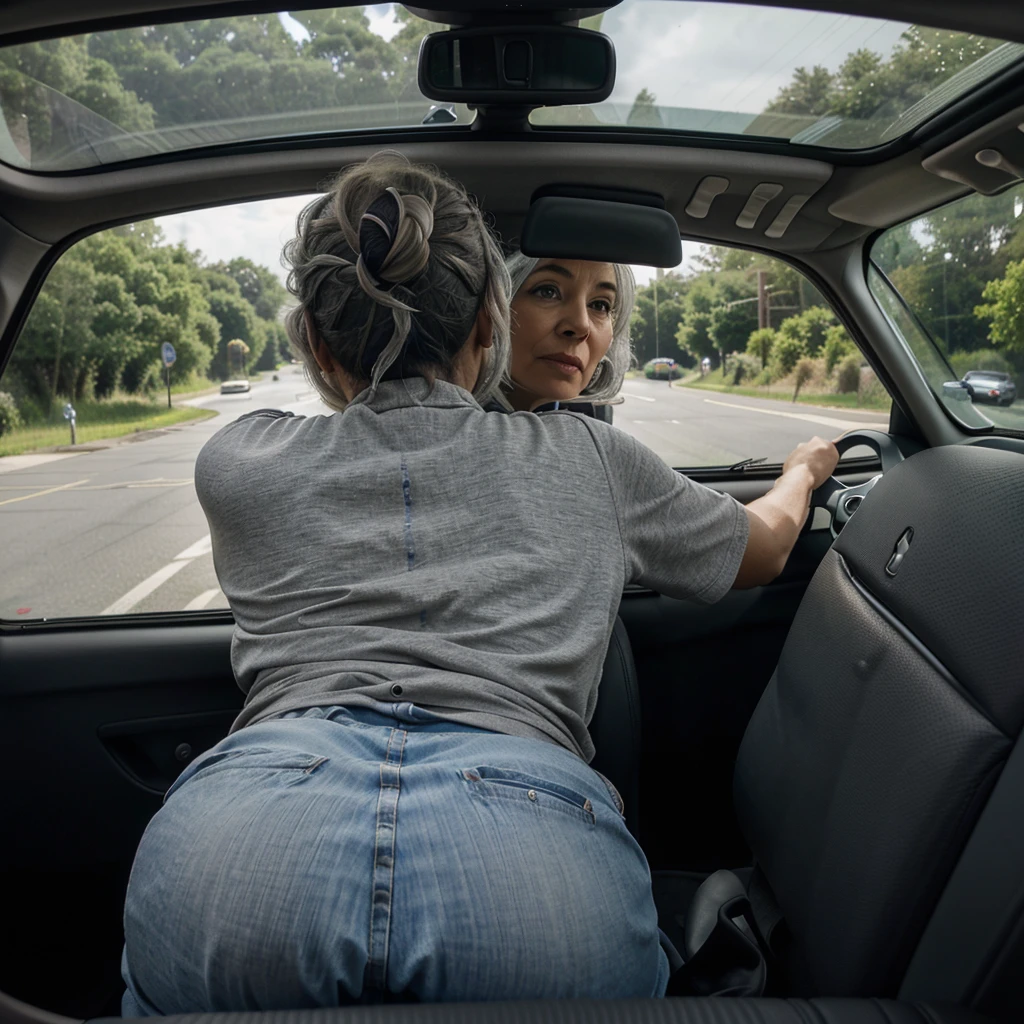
(483, 329)
(320, 351)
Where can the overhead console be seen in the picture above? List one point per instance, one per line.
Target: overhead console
(987, 160)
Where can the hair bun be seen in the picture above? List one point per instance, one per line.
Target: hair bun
(394, 239)
(377, 230)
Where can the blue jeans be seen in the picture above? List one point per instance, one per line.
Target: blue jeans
(342, 855)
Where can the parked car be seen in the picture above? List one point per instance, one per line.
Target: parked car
(662, 368)
(234, 387)
(989, 386)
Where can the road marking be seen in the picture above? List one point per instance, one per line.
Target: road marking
(827, 421)
(145, 588)
(39, 494)
(150, 583)
(201, 547)
(643, 398)
(9, 463)
(676, 422)
(200, 602)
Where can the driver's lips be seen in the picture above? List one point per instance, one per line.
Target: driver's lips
(562, 365)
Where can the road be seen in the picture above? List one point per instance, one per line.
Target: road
(120, 530)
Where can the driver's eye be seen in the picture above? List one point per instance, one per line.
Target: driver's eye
(545, 291)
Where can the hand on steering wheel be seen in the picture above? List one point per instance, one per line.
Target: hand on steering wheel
(841, 501)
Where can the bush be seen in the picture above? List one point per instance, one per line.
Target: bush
(743, 367)
(848, 378)
(802, 373)
(982, 359)
(871, 389)
(10, 418)
(760, 344)
(787, 351)
(838, 345)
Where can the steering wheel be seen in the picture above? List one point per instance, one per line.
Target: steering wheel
(841, 501)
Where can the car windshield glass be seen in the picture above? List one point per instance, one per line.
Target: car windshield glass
(807, 77)
(710, 68)
(99, 98)
(960, 274)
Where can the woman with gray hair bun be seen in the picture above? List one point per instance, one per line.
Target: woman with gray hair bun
(423, 595)
(570, 331)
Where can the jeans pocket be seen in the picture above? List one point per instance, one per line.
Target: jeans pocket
(620, 804)
(507, 784)
(249, 759)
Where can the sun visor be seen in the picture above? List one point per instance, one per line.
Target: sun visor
(603, 230)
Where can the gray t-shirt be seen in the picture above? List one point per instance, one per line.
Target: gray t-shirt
(470, 562)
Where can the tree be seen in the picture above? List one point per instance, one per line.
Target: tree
(694, 336)
(237, 320)
(645, 112)
(787, 351)
(1004, 307)
(802, 373)
(760, 344)
(838, 345)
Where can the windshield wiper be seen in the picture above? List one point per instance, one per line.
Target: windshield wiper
(746, 464)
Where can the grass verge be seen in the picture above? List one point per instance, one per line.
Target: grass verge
(870, 403)
(98, 421)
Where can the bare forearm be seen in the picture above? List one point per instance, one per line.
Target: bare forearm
(775, 523)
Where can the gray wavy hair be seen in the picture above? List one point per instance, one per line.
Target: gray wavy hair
(606, 383)
(392, 266)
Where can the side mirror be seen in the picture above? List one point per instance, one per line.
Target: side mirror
(957, 391)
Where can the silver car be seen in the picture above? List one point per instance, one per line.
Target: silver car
(989, 386)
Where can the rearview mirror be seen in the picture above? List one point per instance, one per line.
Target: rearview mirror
(536, 66)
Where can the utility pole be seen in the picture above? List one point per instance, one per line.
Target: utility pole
(762, 300)
(657, 344)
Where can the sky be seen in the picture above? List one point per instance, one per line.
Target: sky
(706, 55)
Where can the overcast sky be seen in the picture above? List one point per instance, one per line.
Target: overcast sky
(705, 55)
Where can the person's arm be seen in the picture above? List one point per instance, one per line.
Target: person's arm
(777, 518)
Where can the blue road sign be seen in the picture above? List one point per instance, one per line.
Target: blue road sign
(167, 352)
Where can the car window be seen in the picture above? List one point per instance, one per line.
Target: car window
(952, 285)
(147, 338)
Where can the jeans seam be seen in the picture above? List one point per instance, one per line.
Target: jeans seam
(383, 879)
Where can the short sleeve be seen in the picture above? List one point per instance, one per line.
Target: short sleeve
(679, 538)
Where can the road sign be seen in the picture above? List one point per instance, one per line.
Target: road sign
(69, 411)
(167, 353)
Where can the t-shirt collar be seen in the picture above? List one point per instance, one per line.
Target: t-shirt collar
(413, 391)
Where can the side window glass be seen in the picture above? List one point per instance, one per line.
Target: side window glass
(740, 357)
(99, 435)
(952, 285)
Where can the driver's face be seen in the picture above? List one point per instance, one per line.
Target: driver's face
(561, 329)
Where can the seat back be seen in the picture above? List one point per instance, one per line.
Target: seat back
(615, 725)
(896, 702)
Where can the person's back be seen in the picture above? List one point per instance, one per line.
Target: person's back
(475, 560)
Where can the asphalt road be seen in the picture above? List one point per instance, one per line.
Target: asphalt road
(119, 530)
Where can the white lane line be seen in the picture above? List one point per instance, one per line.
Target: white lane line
(676, 422)
(9, 463)
(827, 421)
(201, 547)
(150, 583)
(643, 398)
(39, 494)
(145, 588)
(200, 602)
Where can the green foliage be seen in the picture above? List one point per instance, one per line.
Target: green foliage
(788, 350)
(848, 377)
(982, 359)
(810, 327)
(10, 418)
(742, 367)
(838, 345)
(802, 373)
(1004, 307)
(760, 343)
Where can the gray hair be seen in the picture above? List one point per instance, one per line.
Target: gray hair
(392, 266)
(606, 383)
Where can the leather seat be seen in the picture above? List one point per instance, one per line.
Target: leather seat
(877, 780)
(615, 725)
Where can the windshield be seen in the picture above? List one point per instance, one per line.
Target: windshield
(801, 76)
(712, 68)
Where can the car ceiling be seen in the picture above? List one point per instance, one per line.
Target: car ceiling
(847, 195)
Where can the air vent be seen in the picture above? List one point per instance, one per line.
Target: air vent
(702, 199)
(777, 228)
(759, 198)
